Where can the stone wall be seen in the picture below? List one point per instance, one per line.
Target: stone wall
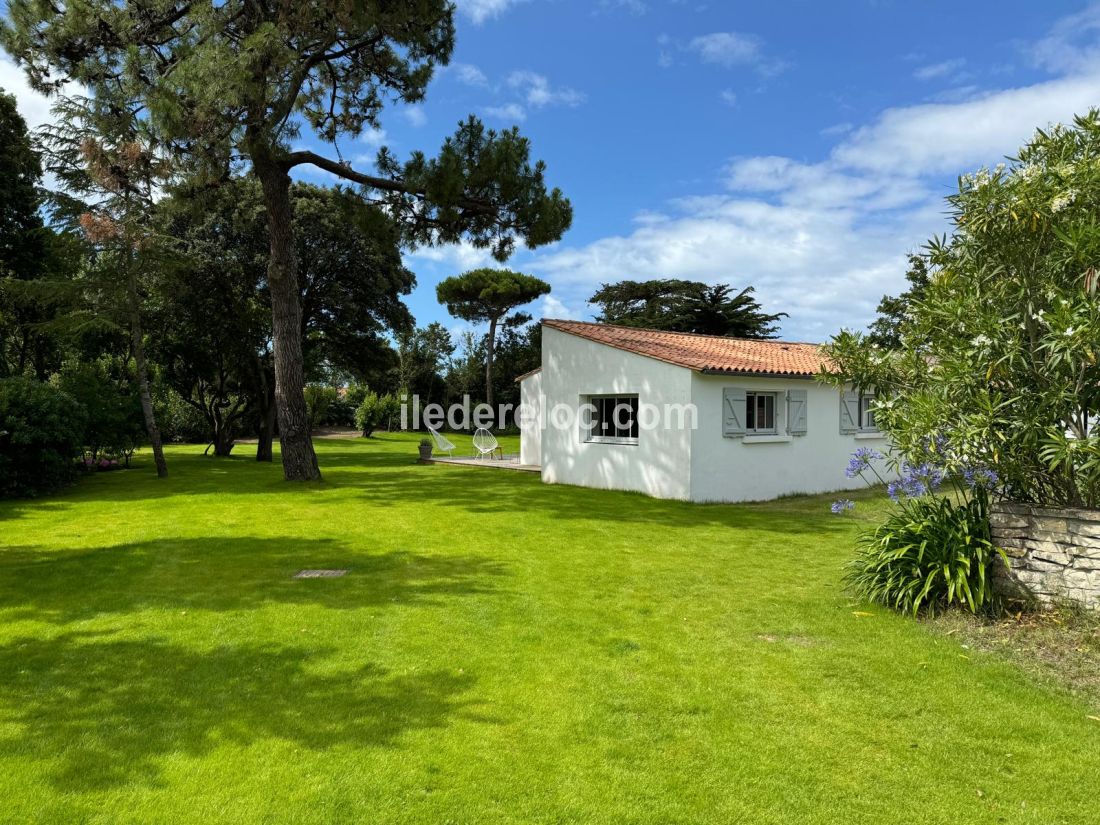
(1053, 554)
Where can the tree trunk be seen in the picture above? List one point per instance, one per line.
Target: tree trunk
(299, 459)
(142, 367)
(224, 442)
(489, 346)
(266, 429)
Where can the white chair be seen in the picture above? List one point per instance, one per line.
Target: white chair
(443, 444)
(485, 442)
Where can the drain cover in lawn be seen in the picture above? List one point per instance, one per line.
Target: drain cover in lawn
(319, 574)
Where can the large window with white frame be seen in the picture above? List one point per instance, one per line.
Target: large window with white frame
(760, 413)
(613, 419)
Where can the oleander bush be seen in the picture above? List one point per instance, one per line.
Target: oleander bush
(1000, 354)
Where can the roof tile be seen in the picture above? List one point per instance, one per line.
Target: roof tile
(709, 353)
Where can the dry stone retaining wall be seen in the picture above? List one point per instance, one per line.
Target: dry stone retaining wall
(1053, 554)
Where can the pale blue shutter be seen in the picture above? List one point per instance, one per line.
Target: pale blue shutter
(733, 412)
(796, 412)
(849, 413)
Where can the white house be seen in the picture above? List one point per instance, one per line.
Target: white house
(736, 419)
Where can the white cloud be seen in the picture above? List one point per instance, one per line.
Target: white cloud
(1071, 44)
(374, 137)
(34, 107)
(538, 92)
(939, 138)
(468, 74)
(730, 49)
(481, 10)
(836, 130)
(945, 68)
(415, 115)
(635, 7)
(825, 240)
(822, 266)
(456, 257)
(553, 308)
(535, 92)
(509, 111)
(727, 48)
(728, 96)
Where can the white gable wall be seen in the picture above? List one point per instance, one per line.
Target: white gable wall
(573, 368)
(530, 425)
(757, 468)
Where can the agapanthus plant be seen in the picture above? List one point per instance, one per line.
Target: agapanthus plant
(934, 549)
(938, 465)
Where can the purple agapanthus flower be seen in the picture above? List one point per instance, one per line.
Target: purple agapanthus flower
(861, 459)
(842, 505)
(895, 489)
(915, 481)
(980, 477)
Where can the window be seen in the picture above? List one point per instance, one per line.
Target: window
(614, 418)
(867, 413)
(760, 412)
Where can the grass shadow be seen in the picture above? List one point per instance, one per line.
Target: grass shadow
(501, 492)
(42, 584)
(99, 712)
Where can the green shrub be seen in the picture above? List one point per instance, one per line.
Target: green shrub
(931, 552)
(41, 430)
(113, 423)
(319, 399)
(376, 411)
(340, 414)
(180, 422)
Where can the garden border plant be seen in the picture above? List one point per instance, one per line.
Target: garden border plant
(995, 379)
(934, 549)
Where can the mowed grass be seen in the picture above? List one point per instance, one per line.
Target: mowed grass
(501, 651)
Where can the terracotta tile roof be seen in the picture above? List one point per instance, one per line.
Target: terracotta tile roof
(528, 374)
(707, 353)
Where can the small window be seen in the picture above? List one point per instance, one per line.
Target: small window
(614, 418)
(760, 412)
(867, 413)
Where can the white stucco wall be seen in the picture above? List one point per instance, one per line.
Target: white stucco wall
(530, 425)
(753, 469)
(572, 368)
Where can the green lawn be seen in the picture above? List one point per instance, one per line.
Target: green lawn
(501, 651)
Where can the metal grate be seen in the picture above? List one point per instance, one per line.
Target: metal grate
(319, 574)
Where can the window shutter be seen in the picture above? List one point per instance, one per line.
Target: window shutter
(733, 412)
(796, 412)
(849, 413)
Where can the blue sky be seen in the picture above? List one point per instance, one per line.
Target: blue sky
(800, 147)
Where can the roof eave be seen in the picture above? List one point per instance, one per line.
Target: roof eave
(802, 376)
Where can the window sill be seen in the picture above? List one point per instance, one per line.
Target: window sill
(633, 442)
(767, 439)
(870, 435)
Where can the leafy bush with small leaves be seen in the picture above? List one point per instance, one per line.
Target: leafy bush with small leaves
(113, 425)
(376, 411)
(930, 553)
(41, 434)
(179, 421)
(318, 400)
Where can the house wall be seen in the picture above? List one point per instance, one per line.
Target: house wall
(530, 425)
(573, 367)
(757, 468)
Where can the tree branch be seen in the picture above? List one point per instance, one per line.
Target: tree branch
(292, 159)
